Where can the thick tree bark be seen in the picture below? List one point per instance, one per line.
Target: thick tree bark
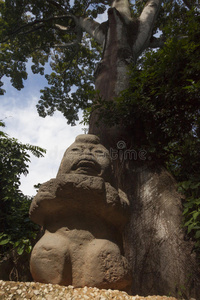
(162, 261)
(111, 72)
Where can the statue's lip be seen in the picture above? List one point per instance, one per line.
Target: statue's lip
(87, 163)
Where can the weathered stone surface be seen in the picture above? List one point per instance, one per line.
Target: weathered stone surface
(83, 216)
(78, 193)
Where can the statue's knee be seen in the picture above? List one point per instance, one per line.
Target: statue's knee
(50, 260)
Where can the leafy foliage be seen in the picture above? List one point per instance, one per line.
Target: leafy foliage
(46, 32)
(16, 228)
(191, 212)
(71, 83)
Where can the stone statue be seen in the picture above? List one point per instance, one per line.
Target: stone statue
(83, 216)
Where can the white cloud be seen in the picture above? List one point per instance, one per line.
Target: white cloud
(19, 113)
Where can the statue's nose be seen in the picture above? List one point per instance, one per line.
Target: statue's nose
(87, 152)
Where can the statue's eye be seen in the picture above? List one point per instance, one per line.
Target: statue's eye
(99, 152)
(75, 150)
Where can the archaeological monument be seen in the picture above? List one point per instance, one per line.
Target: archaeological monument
(83, 215)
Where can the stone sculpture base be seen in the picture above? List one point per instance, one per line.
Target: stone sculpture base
(77, 258)
(81, 245)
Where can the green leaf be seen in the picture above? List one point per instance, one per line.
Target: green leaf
(186, 185)
(20, 249)
(197, 234)
(16, 244)
(185, 211)
(196, 214)
(28, 249)
(190, 227)
(4, 242)
(188, 223)
(195, 185)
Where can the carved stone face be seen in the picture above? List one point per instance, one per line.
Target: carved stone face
(86, 156)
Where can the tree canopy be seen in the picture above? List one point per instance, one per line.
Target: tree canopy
(56, 32)
(46, 32)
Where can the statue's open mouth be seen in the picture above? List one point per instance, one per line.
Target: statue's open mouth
(86, 166)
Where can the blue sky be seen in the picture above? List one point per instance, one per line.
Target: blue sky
(18, 111)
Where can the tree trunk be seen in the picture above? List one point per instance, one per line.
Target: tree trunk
(162, 261)
(111, 73)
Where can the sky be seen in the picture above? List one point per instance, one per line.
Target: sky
(18, 112)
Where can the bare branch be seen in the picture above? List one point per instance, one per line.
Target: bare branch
(123, 7)
(63, 28)
(94, 29)
(146, 23)
(32, 30)
(36, 22)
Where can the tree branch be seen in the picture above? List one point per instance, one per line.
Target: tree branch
(32, 30)
(76, 42)
(146, 23)
(94, 29)
(36, 22)
(60, 27)
(123, 7)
